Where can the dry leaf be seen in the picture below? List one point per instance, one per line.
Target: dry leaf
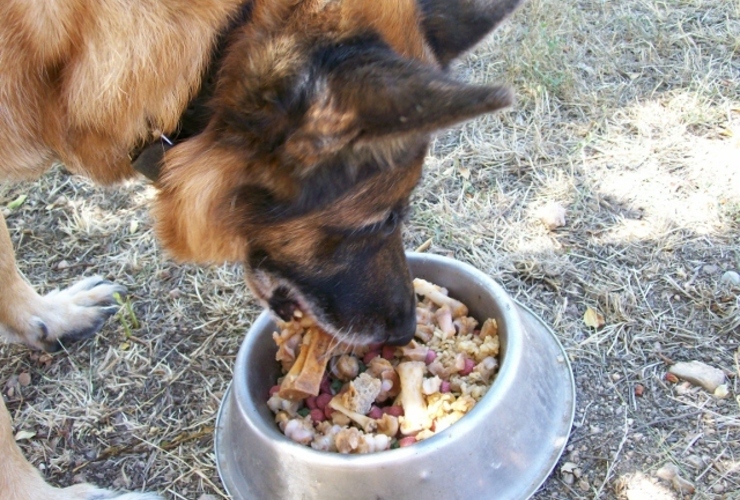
(21, 435)
(593, 318)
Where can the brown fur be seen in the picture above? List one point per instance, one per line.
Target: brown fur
(302, 125)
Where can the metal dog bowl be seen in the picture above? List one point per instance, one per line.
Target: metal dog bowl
(503, 449)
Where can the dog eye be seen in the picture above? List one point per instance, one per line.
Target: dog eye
(390, 223)
(384, 227)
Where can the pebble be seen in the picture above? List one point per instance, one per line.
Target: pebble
(694, 461)
(730, 278)
(570, 471)
(710, 269)
(699, 373)
(24, 379)
(62, 265)
(721, 392)
(669, 472)
(552, 215)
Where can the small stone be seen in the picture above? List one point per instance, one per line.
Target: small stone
(639, 390)
(7, 212)
(694, 461)
(79, 478)
(62, 265)
(175, 293)
(710, 269)
(721, 392)
(567, 471)
(682, 485)
(699, 373)
(552, 215)
(667, 472)
(718, 488)
(730, 278)
(583, 485)
(24, 379)
(684, 388)
(616, 376)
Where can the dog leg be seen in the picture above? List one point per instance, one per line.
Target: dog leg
(54, 320)
(19, 480)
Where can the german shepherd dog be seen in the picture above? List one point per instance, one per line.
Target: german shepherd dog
(284, 134)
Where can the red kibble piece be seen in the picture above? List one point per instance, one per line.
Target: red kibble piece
(389, 352)
(311, 402)
(396, 411)
(325, 384)
(407, 441)
(444, 386)
(318, 415)
(274, 389)
(369, 357)
(469, 365)
(375, 412)
(328, 410)
(377, 346)
(431, 356)
(322, 400)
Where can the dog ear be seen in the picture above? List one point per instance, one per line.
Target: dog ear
(454, 26)
(380, 94)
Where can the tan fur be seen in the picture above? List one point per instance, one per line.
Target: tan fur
(84, 81)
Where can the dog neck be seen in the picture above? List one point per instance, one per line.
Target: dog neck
(147, 158)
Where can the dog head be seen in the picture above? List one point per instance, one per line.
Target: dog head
(320, 123)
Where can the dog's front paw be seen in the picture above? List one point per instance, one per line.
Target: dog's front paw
(90, 492)
(75, 313)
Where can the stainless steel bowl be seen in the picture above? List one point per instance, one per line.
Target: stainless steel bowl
(503, 449)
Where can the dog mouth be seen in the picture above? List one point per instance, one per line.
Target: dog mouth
(284, 305)
(288, 303)
(285, 302)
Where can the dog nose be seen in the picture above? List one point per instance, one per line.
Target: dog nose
(400, 327)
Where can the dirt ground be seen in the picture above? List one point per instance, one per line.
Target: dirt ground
(628, 119)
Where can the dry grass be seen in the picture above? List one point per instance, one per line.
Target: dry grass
(628, 116)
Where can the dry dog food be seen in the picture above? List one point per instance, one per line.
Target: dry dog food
(377, 397)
